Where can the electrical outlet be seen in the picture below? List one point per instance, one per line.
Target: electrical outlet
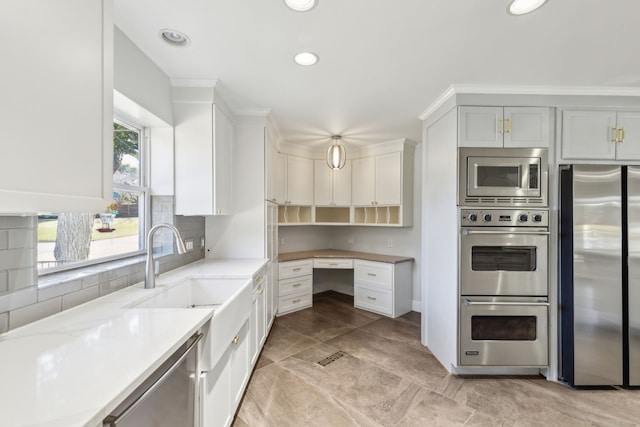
(389, 243)
(188, 243)
(282, 242)
(202, 243)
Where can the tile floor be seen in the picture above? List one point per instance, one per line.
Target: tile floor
(387, 378)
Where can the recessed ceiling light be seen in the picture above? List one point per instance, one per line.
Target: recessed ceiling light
(301, 5)
(306, 58)
(174, 38)
(521, 7)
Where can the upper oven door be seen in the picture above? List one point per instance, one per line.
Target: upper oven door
(503, 177)
(503, 261)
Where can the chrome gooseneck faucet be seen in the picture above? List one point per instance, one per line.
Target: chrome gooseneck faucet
(149, 272)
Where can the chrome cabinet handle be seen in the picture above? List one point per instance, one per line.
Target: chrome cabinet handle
(507, 303)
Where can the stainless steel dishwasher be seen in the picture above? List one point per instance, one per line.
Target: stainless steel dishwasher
(167, 398)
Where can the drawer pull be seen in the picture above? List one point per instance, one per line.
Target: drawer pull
(295, 301)
(236, 339)
(296, 285)
(333, 263)
(372, 298)
(259, 279)
(297, 269)
(260, 291)
(372, 274)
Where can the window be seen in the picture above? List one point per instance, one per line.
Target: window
(68, 240)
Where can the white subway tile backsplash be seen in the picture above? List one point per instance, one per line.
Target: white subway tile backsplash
(22, 278)
(59, 289)
(90, 281)
(80, 297)
(4, 322)
(4, 281)
(31, 313)
(22, 238)
(113, 285)
(18, 299)
(18, 221)
(4, 240)
(17, 258)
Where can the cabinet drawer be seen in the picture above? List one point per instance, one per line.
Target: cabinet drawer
(333, 263)
(379, 273)
(295, 268)
(295, 302)
(296, 285)
(378, 300)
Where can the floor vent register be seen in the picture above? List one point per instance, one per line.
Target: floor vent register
(335, 356)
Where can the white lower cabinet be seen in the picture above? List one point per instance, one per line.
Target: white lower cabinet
(382, 287)
(222, 387)
(295, 285)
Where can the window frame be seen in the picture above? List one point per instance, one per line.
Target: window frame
(144, 203)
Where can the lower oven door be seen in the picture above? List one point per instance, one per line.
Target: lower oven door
(503, 331)
(503, 261)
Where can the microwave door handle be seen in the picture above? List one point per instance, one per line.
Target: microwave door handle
(505, 303)
(530, 233)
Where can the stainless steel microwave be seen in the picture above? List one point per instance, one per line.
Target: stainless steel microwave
(502, 177)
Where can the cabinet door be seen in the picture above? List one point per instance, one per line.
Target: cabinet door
(281, 179)
(588, 135)
(526, 127)
(389, 179)
(363, 181)
(56, 112)
(223, 159)
(322, 184)
(479, 127)
(215, 389)
(193, 130)
(271, 167)
(299, 181)
(342, 185)
(629, 125)
(239, 368)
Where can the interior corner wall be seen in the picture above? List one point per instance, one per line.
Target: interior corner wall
(138, 78)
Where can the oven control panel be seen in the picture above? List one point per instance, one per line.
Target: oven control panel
(504, 218)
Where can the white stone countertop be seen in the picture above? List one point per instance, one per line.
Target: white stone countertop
(74, 368)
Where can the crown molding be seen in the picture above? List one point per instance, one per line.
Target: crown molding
(457, 89)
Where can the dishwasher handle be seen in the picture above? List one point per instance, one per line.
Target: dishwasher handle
(114, 420)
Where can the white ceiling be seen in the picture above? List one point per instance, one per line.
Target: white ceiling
(382, 62)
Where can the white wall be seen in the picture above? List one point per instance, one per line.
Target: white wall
(140, 80)
(242, 234)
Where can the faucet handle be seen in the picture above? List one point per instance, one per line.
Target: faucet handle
(156, 268)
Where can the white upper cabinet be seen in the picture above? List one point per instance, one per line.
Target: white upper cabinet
(378, 180)
(331, 187)
(600, 135)
(294, 180)
(56, 109)
(203, 153)
(504, 127)
(271, 170)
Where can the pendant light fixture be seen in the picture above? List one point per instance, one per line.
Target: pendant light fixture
(336, 154)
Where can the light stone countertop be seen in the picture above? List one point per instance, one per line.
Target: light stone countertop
(337, 253)
(74, 368)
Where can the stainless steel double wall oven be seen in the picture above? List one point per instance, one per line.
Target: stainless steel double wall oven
(503, 262)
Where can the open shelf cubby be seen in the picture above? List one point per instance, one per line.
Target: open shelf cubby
(387, 215)
(333, 214)
(294, 214)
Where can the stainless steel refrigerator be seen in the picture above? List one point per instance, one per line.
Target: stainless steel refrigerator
(600, 275)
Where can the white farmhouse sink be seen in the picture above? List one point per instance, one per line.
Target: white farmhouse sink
(195, 293)
(230, 299)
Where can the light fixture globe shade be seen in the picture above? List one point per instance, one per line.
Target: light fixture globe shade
(522, 7)
(336, 155)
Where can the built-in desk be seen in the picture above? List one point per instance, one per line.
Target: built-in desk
(381, 283)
